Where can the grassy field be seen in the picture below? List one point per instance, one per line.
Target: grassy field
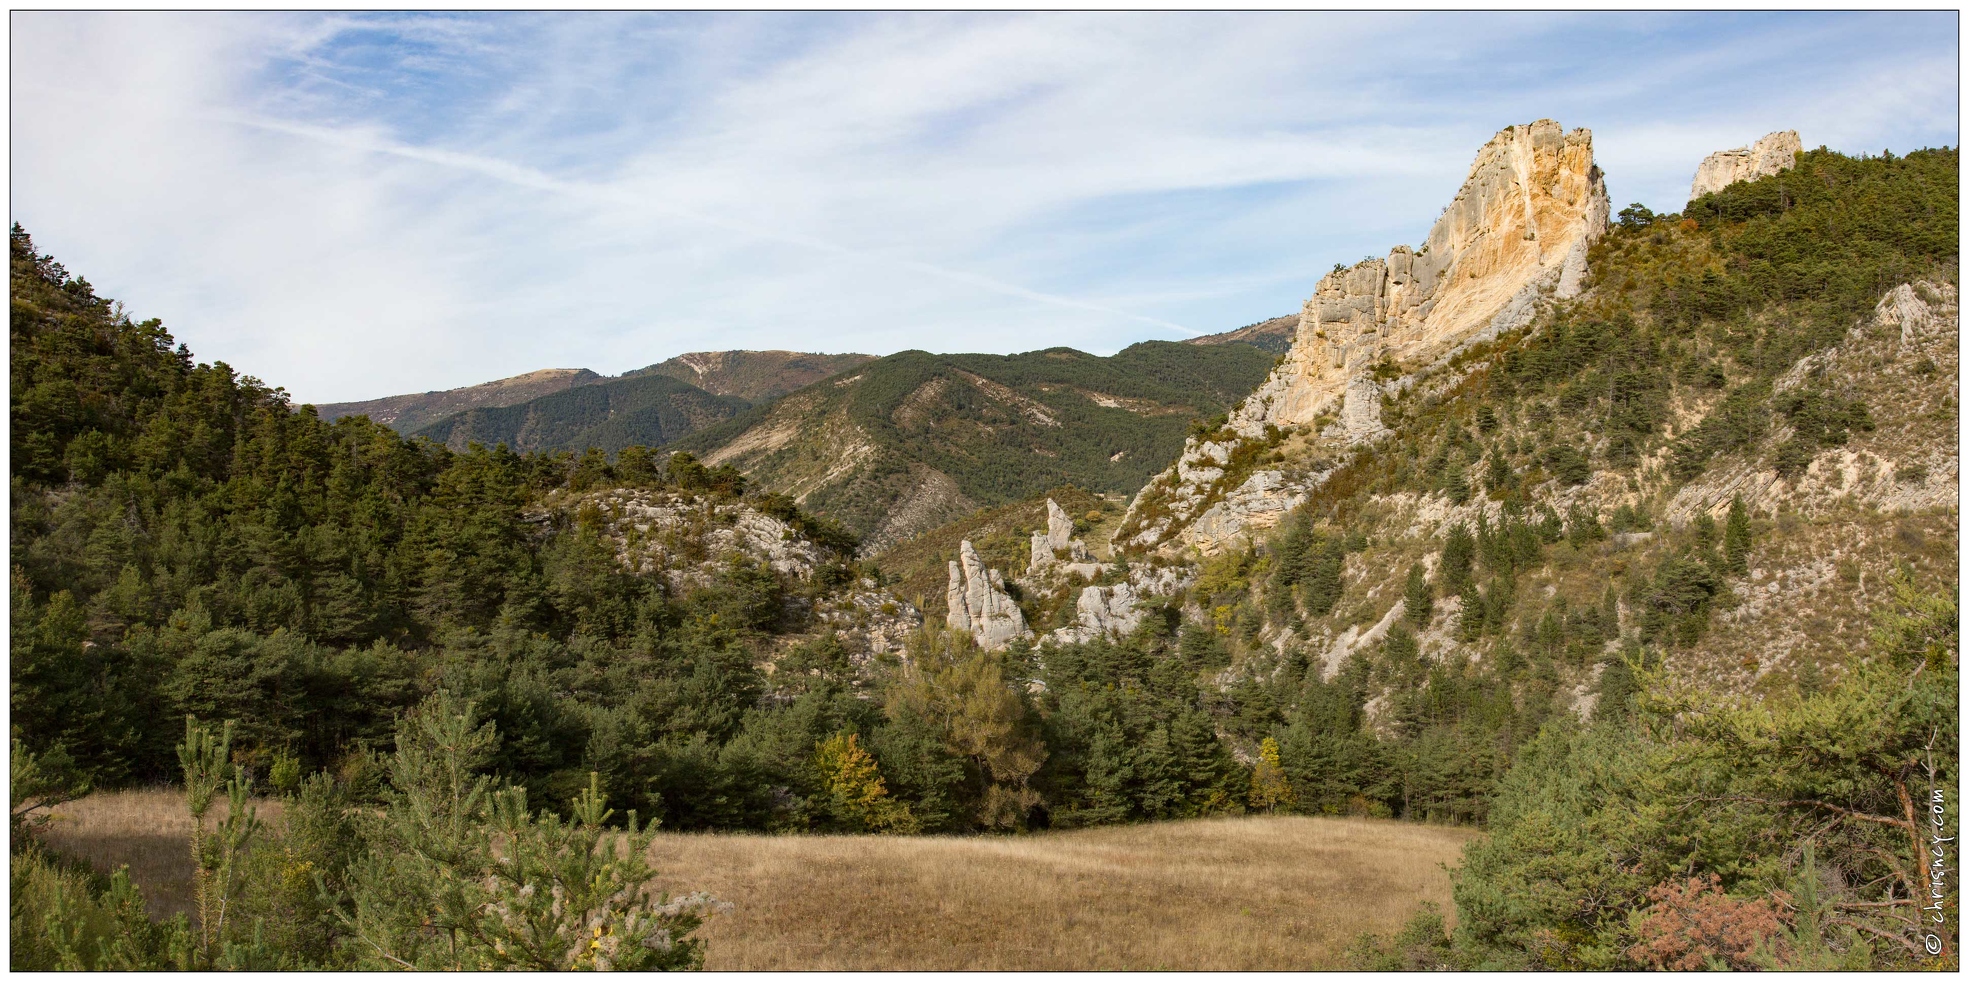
(1235, 893)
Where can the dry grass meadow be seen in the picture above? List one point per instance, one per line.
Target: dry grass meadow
(1233, 893)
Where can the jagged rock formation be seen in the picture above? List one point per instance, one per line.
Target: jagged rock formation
(1515, 235)
(1533, 203)
(978, 604)
(1058, 538)
(1102, 611)
(1775, 152)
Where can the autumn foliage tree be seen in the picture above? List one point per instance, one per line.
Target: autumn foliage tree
(857, 798)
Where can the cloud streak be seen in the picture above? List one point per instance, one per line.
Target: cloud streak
(532, 179)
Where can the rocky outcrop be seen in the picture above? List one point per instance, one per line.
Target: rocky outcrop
(1360, 411)
(689, 541)
(1531, 205)
(1102, 611)
(978, 604)
(1058, 538)
(1775, 152)
(1259, 503)
(1515, 236)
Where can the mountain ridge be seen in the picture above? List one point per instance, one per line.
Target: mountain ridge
(754, 376)
(913, 440)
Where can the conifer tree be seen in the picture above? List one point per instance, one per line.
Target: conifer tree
(1736, 537)
(1419, 597)
(1459, 551)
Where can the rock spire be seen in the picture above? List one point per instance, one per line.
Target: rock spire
(978, 604)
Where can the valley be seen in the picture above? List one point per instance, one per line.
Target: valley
(1627, 539)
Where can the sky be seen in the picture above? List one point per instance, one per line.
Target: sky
(358, 205)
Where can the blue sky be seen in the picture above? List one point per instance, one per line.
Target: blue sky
(355, 205)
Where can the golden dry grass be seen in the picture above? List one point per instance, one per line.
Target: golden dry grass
(1243, 893)
(147, 830)
(1234, 893)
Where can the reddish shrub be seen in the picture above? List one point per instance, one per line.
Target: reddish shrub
(1690, 925)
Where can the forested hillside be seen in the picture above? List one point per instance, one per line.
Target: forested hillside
(914, 440)
(1613, 583)
(1274, 335)
(755, 376)
(643, 411)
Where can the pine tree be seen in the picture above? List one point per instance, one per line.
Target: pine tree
(1736, 538)
(1459, 550)
(466, 877)
(1419, 597)
(1323, 585)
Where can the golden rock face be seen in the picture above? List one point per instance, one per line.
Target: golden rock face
(1515, 234)
(1533, 200)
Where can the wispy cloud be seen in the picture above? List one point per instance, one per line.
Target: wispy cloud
(653, 202)
(359, 204)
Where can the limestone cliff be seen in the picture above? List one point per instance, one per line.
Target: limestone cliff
(1516, 234)
(1775, 152)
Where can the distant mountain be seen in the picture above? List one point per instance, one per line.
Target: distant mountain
(1274, 335)
(755, 376)
(410, 413)
(914, 440)
(750, 376)
(645, 410)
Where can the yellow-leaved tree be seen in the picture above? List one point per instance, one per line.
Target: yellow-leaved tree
(1269, 788)
(856, 795)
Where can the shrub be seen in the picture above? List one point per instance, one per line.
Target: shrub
(1693, 925)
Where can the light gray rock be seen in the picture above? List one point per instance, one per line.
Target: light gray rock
(1360, 411)
(1572, 276)
(1058, 536)
(976, 602)
(1775, 152)
(1256, 505)
(1902, 307)
(1102, 611)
